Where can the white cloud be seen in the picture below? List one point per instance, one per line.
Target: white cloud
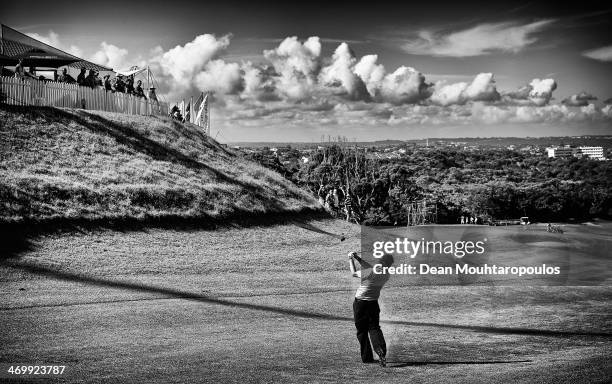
(541, 91)
(340, 74)
(480, 40)
(111, 56)
(297, 65)
(371, 73)
(221, 77)
(482, 88)
(258, 83)
(601, 54)
(179, 69)
(54, 40)
(299, 87)
(184, 62)
(581, 99)
(404, 85)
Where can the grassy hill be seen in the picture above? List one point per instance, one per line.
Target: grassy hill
(62, 165)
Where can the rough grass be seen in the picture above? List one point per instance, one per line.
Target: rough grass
(77, 164)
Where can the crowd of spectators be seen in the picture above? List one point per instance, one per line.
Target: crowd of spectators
(120, 83)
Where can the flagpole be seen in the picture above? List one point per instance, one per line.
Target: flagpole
(207, 115)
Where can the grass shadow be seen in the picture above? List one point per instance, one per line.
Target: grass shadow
(16, 238)
(14, 241)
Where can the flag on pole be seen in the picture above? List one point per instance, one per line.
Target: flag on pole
(187, 112)
(181, 107)
(202, 116)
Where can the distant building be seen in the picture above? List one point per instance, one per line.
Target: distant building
(565, 151)
(596, 153)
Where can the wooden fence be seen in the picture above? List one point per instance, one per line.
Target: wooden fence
(17, 91)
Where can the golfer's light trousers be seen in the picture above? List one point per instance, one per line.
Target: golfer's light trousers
(367, 317)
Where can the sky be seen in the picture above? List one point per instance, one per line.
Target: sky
(298, 71)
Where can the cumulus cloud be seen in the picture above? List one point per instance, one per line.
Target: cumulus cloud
(581, 99)
(296, 85)
(54, 40)
(183, 62)
(482, 39)
(107, 54)
(522, 94)
(541, 91)
(258, 83)
(537, 92)
(404, 85)
(482, 88)
(449, 94)
(601, 54)
(111, 56)
(371, 73)
(340, 74)
(219, 76)
(297, 65)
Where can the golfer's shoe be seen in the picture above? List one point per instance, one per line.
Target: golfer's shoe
(383, 361)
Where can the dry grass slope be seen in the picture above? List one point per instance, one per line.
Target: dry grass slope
(58, 164)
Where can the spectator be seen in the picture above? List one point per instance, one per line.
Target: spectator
(98, 80)
(175, 113)
(129, 85)
(119, 84)
(65, 77)
(138, 91)
(32, 73)
(81, 77)
(90, 80)
(107, 84)
(20, 70)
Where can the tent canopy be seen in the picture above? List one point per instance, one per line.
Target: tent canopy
(38, 58)
(135, 70)
(15, 44)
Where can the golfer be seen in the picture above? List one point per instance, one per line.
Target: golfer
(366, 310)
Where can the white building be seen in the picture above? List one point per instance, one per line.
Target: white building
(565, 151)
(596, 153)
